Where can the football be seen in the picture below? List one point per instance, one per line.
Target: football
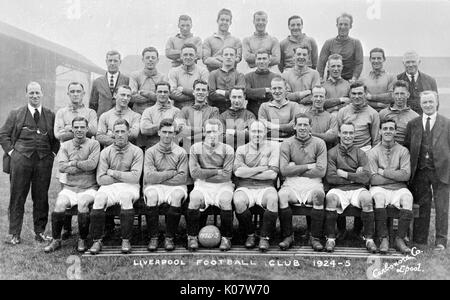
(209, 236)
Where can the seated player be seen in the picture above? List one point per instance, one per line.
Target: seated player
(165, 175)
(256, 167)
(348, 175)
(390, 167)
(278, 115)
(118, 174)
(78, 158)
(211, 165)
(236, 120)
(303, 161)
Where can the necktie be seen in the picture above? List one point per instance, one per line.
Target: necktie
(111, 84)
(428, 135)
(36, 116)
(412, 86)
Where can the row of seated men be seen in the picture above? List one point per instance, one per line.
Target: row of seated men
(301, 160)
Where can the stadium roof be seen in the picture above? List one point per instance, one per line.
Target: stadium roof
(73, 57)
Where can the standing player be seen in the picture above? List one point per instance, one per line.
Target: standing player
(337, 87)
(165, 175)
(348, 175)
(211, 165)
(78, 158)
(256, 167)
(303, 161)
(118, 174)
(391, 169)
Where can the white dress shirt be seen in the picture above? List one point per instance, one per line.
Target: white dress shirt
(115, 77)
(32, 109)
(432, 120)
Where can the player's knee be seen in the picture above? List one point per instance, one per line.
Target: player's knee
(240, 202)
(318, 197)
(283, 198)
(365, 199)
(332, 201)
(406, 201)
(62, 203)
(83, 204)
(271, 198)
(176, 198)
(100, 201)
(380, 200)
(195, 200)
(126, 201)
(225, 201)
(151, 198)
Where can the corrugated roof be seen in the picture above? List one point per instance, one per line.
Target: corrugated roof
(74, 57)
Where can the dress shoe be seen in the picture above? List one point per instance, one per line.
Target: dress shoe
(250, 242)
(42, 238)
(401, 247)
(439, 248)
(264, 244)
(96, 247)
(330, 244)
(192, 243)
(384, 246)
(126, 246)
(286, 243)
(81, 247)
(66, 234)
(371, 247)
(53, 246)
(225, 244)
(316, 244)
(153, 245)
(169, 245)
(13, 240)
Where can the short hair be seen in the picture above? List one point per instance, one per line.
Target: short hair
(224, 11)
(346, 123)
(121, 122)
(426, 93)
(293, 18)
(262, 51)
(278, 79)
(199, 81)
(388, 120)
(335, 56)
(80, 119)
(409, 53)
(238, 88)
(150, 49)
(214, 122)
(189, 45)
(302, 47)
(253, 121)
(358, 84)
(162, 83)
(75, 83)
(184, 18)
(32, 83)
(345, 15)
(123, 86)
(112, 53)
(303, 115)
(377, 50)
(318, 86)
(259, 13)
(229, 47)
(401, 83)
(166, 123)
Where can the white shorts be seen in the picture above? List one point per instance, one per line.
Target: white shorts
(255, 196)
(346, 198)
(164, 192)
(212, 191)
(74, 197)
(302, 188)
(114, 190)
(392, 196)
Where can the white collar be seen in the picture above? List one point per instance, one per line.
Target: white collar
(32, 109)
(415, 76)
(113, 75)
(432, 117)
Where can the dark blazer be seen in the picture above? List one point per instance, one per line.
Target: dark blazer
(424, 83)
(10, 131)
(441, 146)
(101, 97)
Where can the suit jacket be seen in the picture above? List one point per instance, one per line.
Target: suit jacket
(101, 97)
(441, 146)
(10, 131)
(424, 83)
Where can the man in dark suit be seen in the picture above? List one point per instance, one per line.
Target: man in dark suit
(30, 146)
(418, 81)
(428, 140)
(102, 94)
